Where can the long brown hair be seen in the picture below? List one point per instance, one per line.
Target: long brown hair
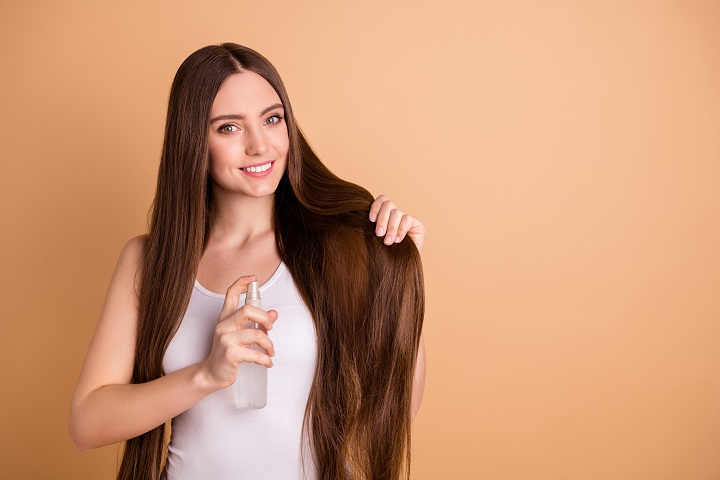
(366, 299)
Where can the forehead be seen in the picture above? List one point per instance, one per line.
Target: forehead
(245, 93)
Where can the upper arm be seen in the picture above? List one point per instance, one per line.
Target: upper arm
(110, 356)
(418, 387)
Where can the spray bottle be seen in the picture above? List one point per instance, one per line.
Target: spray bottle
(251, 381)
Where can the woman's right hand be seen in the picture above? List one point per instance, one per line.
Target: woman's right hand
(232, 345)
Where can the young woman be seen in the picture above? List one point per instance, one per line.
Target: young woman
(241, 192)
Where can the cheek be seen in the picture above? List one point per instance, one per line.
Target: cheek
(213, 152)
(213, 170)
(220, 153)
(218, 160)
(282, 143)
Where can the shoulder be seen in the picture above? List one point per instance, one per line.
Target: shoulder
(130, 261)
(135, 246)
(132, 252)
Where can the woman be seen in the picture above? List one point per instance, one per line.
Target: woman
(240, 191)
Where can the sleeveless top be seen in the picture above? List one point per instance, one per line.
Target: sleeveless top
(215, 440)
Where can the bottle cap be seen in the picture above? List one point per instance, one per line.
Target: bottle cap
(253, 292)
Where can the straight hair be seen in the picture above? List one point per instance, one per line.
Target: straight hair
(366, 299)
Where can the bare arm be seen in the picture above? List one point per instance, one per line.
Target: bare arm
(418, 387)
(106, 408)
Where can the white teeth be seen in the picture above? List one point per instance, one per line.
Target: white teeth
(261, 168)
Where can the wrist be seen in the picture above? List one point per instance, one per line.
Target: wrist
(202, 381)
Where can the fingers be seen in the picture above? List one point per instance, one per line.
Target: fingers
(241, 354)
(405, 225)
(233, 347)
(247, 313)
(382, 208)
(375, 207)
(388, 220)
(256, 356)
(233, 344)
(392, 226)
(252, 339)
(232, 298)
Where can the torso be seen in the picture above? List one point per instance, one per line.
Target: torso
(213, 439)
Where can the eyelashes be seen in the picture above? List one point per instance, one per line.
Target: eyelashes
(227, 128)
(230, 127)
(278, 118)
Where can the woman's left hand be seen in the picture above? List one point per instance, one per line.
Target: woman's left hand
(394, 224)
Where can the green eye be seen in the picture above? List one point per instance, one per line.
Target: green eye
(226, 128)
(275, 119)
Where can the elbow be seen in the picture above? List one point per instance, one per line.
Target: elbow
(78, 434)
(82, 447)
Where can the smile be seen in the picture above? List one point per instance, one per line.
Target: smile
(258, 171)
(261, 168)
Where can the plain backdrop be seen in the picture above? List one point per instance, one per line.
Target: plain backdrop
(563, 155)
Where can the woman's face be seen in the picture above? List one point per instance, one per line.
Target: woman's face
(248, 136)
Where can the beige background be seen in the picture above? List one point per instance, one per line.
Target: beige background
(564, 156)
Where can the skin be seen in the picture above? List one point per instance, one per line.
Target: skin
(106, 408)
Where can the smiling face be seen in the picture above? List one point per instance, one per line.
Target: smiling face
(248, 137)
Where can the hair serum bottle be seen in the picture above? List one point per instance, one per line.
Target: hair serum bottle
(251, 381)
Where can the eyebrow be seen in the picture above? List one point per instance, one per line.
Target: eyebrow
(242, 117)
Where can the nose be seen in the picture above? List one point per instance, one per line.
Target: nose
(256, 143)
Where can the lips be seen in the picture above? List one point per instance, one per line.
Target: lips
(258, 170)
(258, 167)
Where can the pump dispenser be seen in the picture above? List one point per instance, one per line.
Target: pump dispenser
(251, 381)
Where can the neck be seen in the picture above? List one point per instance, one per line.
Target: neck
(239, 220)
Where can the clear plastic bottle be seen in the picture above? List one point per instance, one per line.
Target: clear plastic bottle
(251, 381)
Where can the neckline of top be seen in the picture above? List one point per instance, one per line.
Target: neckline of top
(263, 287)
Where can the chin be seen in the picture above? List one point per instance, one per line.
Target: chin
(262, 193)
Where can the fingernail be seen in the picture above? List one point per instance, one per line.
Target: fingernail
(373, 217)
(397, 239)
(388, 240)
(380, 232)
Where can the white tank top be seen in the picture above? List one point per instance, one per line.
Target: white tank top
(215, 440)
